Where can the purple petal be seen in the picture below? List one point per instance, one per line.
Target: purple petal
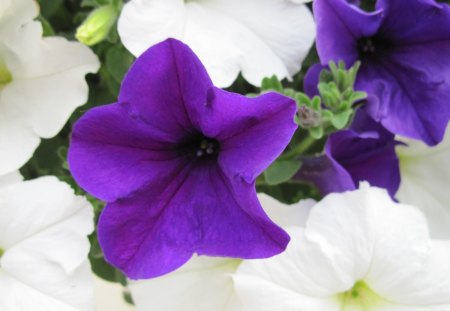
(412, 98)
(326, 174)
(352, 157)
(339, 26)
(415, 21)
(366, 157)
(166, 87)
(253, 131)
(311, 81)
(113, 153)
(196, 210)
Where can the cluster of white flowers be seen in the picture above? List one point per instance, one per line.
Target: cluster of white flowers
(352, 251)
(43, 225)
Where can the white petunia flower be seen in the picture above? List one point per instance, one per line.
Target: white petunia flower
(44, 247)
(359, 251)
(205, 283)
(258, 38)
(425, 176)
(41, 82)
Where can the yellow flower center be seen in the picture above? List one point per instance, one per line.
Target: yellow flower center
(5, 74)
(360, 298)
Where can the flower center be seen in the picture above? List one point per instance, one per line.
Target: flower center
(5, 74)
(360, 297)
(367, 46)
(200, 147)
(370, 46)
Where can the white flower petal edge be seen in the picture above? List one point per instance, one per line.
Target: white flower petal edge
(47, 83)
(109, 296)
(205, 283)
(258, 38)
(9, 179)
(44, 247)
(425, 175)
(359, 251)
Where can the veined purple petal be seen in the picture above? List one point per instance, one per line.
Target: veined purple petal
(339, 26)
(172, 66)
(405, 60)
(113, 153)
(197, 210)
(253, 131)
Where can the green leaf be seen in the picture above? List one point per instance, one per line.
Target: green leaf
(118, 61)
(316, 132)
(281, 171)
(340, 120)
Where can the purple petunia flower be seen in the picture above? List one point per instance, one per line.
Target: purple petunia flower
(176, 160)
(404, 47)
(364, 152)
(351, 157)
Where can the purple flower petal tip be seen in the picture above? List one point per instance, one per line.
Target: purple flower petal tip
(176, 160)
(404, 49)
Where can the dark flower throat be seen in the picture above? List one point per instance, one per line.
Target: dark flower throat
(200, 147)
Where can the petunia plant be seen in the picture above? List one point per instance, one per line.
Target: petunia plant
(236, 154)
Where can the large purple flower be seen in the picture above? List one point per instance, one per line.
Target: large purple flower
(404, 47)
(176, 160)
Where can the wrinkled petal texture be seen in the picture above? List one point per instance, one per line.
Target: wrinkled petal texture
(353, 236)
(48, 84)
(164, 206)
(408, 69)
(230, 36)
(43, 230)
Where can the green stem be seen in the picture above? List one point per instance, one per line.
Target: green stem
(299, 148)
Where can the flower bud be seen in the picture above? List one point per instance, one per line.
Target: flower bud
(97, 26)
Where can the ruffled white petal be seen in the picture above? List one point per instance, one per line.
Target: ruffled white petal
(48, 85)
(203, 284)
(425, 174)
(43, 231)
(286, 215)
(10, 179)
(257, 38)
(351, 237)
(109, 296)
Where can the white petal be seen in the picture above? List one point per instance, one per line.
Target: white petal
(349, 237)
(109, 296)
(261, 295)
(203, 284)
(14, 14)
(361, 227)
(425, 173)
(48, 85)
(43, 230)
(260, 39)
(306, 268)
(72, 293)
(10, 179)
(17, 144)
(286, 215)
(31, 207)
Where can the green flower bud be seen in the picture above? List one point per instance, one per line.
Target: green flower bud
(97, 25)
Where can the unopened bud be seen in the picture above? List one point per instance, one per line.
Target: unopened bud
(307, 117)
(97, 25)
